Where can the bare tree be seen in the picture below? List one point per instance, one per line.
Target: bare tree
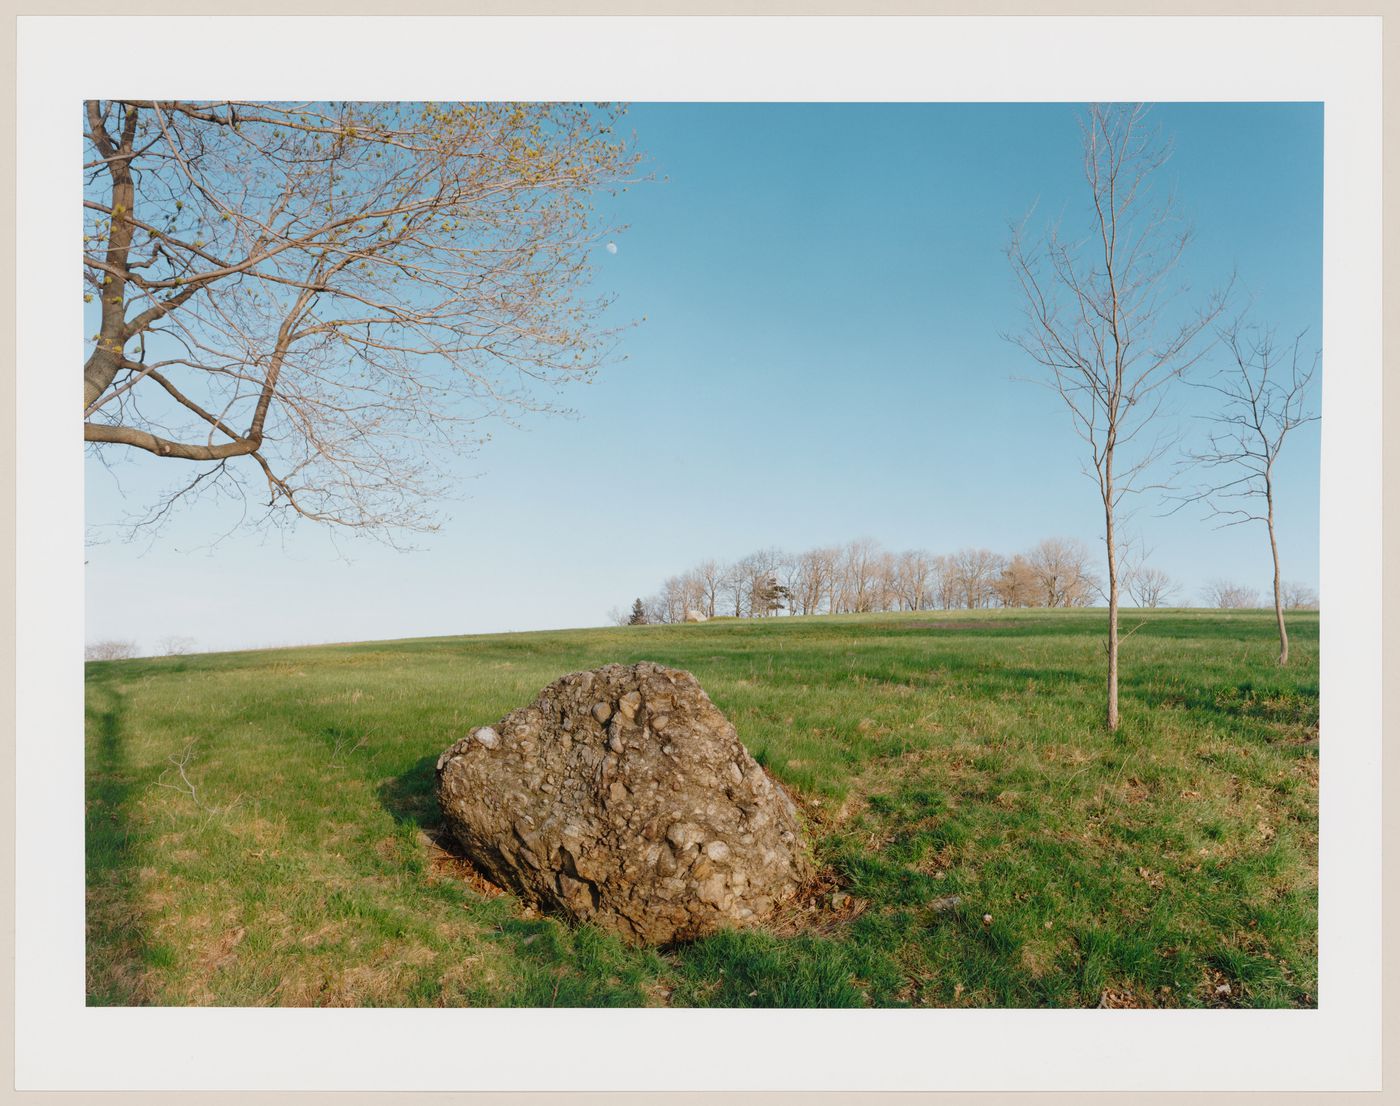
(1299, 596)
(945, 581)
(790, 574)
(654, 611)
(177, 645)
(1150, 587)
(1103, 322)
(1264, 398)
(110, 650)
(1019, 585)
(679, 594)
(1062, 568)
(859, 575)
(975, 572)
(823, 569)
(336, 292)
(1229, 596)
(815, 573)
(913, 571)
(710, 577)
(734, 587)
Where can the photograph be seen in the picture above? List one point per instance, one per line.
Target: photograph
(679, 554)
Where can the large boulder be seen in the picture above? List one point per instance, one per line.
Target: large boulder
(623, 797)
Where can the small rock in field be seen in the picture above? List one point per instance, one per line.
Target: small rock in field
(947, 904)
(839, 899)
(986, 919)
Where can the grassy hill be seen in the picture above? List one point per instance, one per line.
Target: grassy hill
(261, 827)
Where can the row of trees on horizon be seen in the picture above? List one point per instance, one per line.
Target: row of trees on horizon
(863, 577)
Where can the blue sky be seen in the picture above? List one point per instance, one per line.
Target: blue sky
(824, 290)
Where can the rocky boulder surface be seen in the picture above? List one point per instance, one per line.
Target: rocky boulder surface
(623, 797)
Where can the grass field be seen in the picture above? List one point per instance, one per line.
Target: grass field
(261, 827)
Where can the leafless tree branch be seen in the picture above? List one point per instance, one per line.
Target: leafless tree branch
(340, 292)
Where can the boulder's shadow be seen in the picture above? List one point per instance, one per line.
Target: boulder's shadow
(411, 796)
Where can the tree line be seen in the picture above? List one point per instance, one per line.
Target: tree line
(862, 577)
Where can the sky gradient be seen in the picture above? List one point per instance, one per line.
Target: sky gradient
(821, 294)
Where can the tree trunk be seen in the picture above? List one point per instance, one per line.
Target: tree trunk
(1278, 583)
(1112, 605)
(106, 359)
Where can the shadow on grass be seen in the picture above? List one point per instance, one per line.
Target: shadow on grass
(411, 796)
(118, 947)
(1234, 702)
(411, 799)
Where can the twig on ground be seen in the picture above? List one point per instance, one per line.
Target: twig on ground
(186, 786)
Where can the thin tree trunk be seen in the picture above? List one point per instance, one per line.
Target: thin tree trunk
(1278, 584)
(1112, 601)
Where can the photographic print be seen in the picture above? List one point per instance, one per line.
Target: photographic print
(702, 554)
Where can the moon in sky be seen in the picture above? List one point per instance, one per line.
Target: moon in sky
(612, 247)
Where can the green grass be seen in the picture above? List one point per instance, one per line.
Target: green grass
(949, 766)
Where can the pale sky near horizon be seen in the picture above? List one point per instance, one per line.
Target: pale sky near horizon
(825, 292)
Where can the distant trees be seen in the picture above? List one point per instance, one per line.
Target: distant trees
(1062, 567)
(1018, 585)
(110, 650)
(709, 576)
(1264, 398)
(974, 574)
(1298, 597)
(913, 577)
(812, 580)
(858, 578)
(862, 577)
(1150, 587)
(1230, 596)
(767, 596)
(1102, 323)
